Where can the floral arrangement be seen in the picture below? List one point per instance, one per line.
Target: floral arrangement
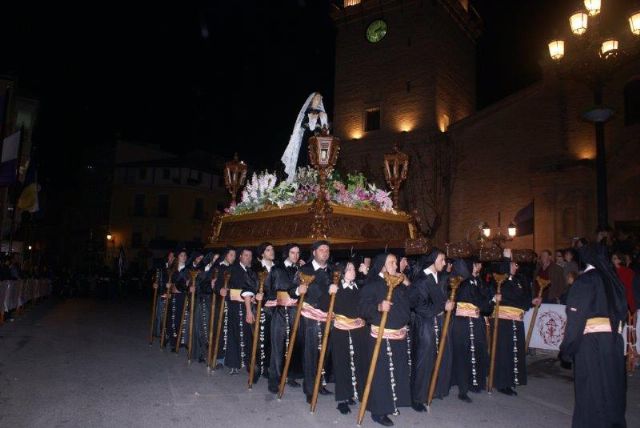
(263, 192)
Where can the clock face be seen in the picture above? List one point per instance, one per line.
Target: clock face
(376, 31)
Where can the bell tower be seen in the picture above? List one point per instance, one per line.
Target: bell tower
(405, 69)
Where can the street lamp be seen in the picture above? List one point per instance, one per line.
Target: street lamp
(592, 60)
(499, 238)
(235, 175)
(396, 167)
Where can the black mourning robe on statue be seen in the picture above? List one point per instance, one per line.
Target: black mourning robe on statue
(598, 358)
(349, 348)
(281, 279)
(318, 297)
(511, 367)
(387, 395)
(428, 300)
(469, 337)
(238, 331)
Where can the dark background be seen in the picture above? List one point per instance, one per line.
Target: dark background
(219, 76)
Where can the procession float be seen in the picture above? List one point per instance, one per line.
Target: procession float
(317, 202)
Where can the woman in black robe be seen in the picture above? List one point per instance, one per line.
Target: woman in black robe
(596, 307)
(390, 386)
(349, 343)
(429, 300)
(178, 281)
(469, 337)
(515, 300)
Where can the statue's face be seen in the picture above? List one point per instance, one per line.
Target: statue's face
(316, 100)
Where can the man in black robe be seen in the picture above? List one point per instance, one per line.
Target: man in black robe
(227, 259)
(240, 317)
(314, 313)
(515, 300)
(390, 388)
(192, 270)
(349, 343)
(265, 262)
(429, 301)
(469, 337)
(596, 308)
(280, 296)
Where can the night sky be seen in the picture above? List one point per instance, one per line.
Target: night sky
(212, 75)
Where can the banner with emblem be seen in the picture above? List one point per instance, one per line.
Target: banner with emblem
(548, 330)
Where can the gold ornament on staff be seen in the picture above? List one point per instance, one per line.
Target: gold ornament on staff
(226, 278)
(304, 280)
(168, 289)
(235, 175)
(392, 282)
(154, 303)
(396, 167)
(325, 340)
(542, 284)
(454, 282)
(500, 278)
(194, 275)
(212, 315)
(262, 277)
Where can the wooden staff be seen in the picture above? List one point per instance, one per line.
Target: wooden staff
(304, 280)
(194, 275)
(454, 282)
(487, 333)
(212, 314)
(166, 306)
(154, 303)
(500, 278)
(542, 284)
(262, 277)
(227, 277)
(392, 281)
(325, 340)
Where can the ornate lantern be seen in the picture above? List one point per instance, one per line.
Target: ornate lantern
(579, 22)
(396, 166)
(556, 49)
(235, 176)
(323, 155)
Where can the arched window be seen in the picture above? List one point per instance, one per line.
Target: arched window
(632, 102)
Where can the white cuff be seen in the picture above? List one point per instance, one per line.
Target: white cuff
(247, 294)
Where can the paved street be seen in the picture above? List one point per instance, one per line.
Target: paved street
(86, 363)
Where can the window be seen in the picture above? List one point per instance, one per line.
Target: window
(166, 174)
(198, 210)
(142, 173)
(136, 240)
(138, 205)
(163, 205)
(372, 119)
(632, 102)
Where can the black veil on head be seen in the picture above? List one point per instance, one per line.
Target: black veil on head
(596, 255)
(376, 265)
